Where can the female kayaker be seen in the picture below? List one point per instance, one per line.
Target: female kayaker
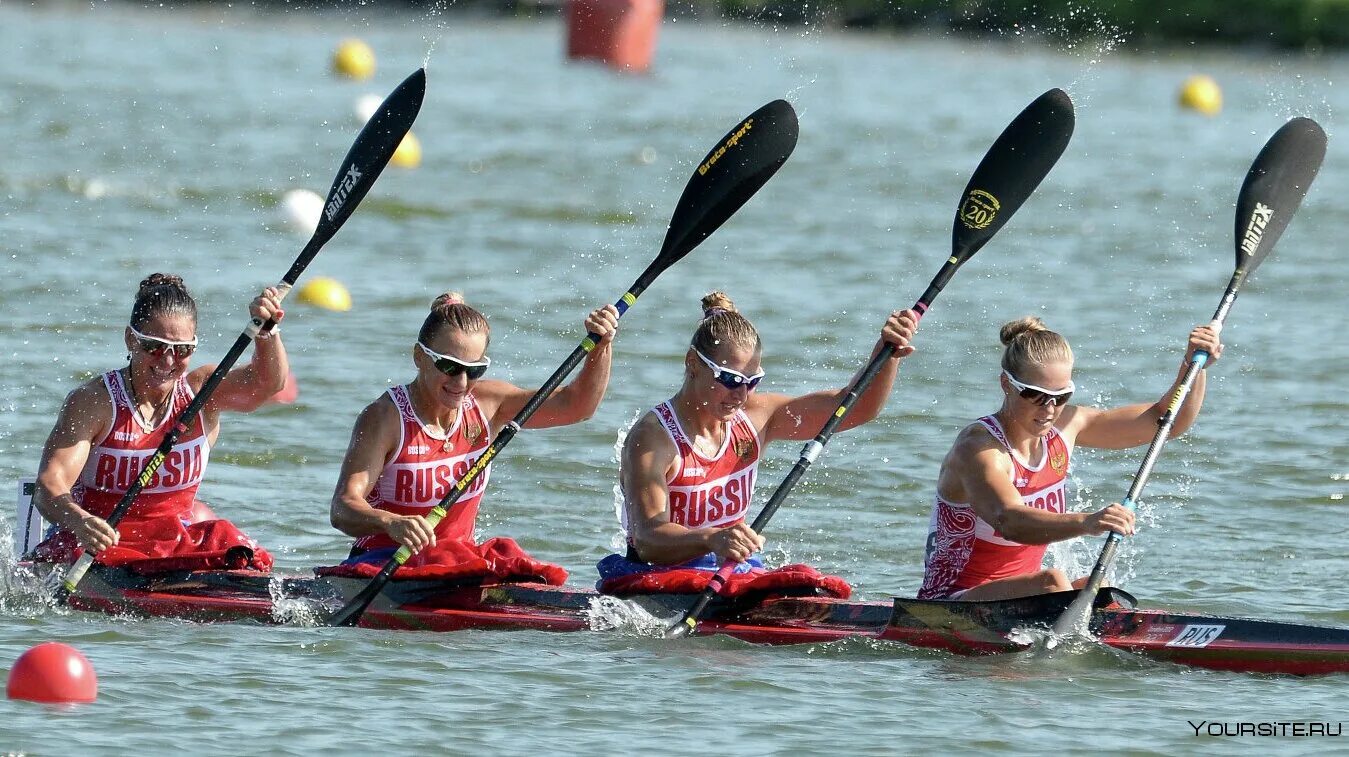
(413, 443)
(1001, 491)
(110, 425)
(688, 466)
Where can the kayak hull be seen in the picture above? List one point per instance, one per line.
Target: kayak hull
(966, 628)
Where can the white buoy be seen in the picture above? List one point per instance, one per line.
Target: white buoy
(366, 105)
(301, 210)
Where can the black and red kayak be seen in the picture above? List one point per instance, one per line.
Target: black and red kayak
(966, 628)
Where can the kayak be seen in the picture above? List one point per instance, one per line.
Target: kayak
(965, 628)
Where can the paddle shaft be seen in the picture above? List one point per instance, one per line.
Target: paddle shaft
(368, 156)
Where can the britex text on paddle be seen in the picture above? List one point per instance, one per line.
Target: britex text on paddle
(340, 196)
(1255, 230)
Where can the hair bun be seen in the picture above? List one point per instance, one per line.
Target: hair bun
(161, 280)
(717, 302)
(447, 299)
(1013, 329)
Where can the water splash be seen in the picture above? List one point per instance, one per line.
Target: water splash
(619, 541)
(307, 612)
(25, 591)
(614, 614)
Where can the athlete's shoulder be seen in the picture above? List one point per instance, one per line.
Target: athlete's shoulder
(975, 438)
(648, 433)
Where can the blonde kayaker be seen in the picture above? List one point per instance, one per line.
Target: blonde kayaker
(689, 465)
(414, 442)
(1001, 492)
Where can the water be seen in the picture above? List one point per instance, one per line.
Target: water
(149, 140)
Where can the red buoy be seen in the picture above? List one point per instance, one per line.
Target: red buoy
(621, 33)
(53, 673)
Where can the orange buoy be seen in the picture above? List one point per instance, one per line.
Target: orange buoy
(53, 673)
(289, 393)
(621, 33)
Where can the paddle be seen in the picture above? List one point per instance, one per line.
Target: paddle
(371, 151)
(1011, 170)
(1270, 195)
(726, 178)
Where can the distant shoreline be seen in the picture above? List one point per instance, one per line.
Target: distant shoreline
(1308, 25)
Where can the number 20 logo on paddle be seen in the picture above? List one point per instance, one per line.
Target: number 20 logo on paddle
(979, 209)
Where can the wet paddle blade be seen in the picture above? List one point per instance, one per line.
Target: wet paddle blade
(742, 162)
(1274, 187)
(1011, 170)
(369, 154)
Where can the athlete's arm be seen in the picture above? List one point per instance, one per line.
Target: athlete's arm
(85, 415)
(979, 471)
(373, 439)
(802, 417)
(573, 403)
(1135, 425)
(245, 389)
(648, 457)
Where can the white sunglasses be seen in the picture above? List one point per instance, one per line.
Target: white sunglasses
(1040, 395)
(157, 346)
(453, 366)
(728, 378)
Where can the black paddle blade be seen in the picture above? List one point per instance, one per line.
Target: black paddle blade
(1014, 166)
(742, 162)
(1274, 187)
(368, 156)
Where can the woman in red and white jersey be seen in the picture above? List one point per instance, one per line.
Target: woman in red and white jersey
(412, 445)
(688, 466)
(110, 425)
(1001, 491)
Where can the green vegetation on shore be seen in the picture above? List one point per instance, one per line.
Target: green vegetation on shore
(1279, 23)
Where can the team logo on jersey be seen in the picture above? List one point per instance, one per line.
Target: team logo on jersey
(472, 430)
(1059, 462)
(418, 449)
(743, 448)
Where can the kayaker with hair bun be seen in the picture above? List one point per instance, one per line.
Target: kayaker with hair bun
(110, 425)
(689, 465)
(413, 443)
(1001, 493)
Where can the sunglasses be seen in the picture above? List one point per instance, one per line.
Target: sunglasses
(453, 366)
(728, 378)
(156, 347)
(1040, 395)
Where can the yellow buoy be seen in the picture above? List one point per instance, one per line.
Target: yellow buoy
(355, 59)
(409, 152)
(326, 293)
(1201, 93)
